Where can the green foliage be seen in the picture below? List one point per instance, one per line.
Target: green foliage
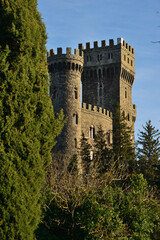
(149, 153)
(123, 147)
(99, 209)
(102, 152)
(27, 124)
(85, 154)
(137, 210)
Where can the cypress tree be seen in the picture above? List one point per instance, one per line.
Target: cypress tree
(27, 124)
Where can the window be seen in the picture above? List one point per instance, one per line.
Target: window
(75, 93)
(87, 58)
(91, 132)
(99, 73)
(73, 66)
(110, 55)
(100, 90)
(131, 63)
(91, 155)
(75, 118)
(128, 117)
(125, 93)
(75, 142)
(128, 60)
(99, 57)
(124, 57)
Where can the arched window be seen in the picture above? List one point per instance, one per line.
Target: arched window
(75, 118)
(100, 90)
(91, 132)
(75, 93)
(73, 66)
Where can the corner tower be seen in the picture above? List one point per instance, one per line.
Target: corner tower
(65, 90)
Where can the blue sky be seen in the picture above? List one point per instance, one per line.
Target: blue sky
(70, 22)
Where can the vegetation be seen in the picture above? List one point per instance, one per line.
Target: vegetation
(27, 124)
(148, 153)
(109, 200)
(99, 208)
(123, 148)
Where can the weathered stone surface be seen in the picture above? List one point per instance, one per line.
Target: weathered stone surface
(107, 74)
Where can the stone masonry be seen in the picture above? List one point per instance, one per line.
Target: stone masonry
(107, 74)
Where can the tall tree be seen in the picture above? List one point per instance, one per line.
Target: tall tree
(149, 152)
(27, 124)
(123, 147)
(102, 152)
(85, 151)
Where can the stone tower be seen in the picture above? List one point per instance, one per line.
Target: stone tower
(107, 73)
(108, 76)
(65, 91)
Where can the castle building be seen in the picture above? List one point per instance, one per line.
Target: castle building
(106, 73)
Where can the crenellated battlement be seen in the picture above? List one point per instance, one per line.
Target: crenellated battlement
(96, 109)
(120, 42)
(77, 55)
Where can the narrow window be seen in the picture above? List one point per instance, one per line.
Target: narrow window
(91, 132)
(128, 60)
(128, 117)
(75, 142)
(91, 155)
(99, 73)
(87, 58)
(75, 93)
(109, 55)
(124, 57)
(73, 66)
(75, 118)
(125, 93)
(131, 63)
(90, 58)
(100, 90)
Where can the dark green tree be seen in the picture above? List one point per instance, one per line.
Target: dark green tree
(102, 151)
(27, 124)
(85, 150)
(123, 146)
(149, 153)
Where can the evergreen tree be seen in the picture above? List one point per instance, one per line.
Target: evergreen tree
(123, 148)
(85, 154)
(102, 153)
(27, 124)
(149, 152)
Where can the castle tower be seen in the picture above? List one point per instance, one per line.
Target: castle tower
(108, 76)
(65, 91)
